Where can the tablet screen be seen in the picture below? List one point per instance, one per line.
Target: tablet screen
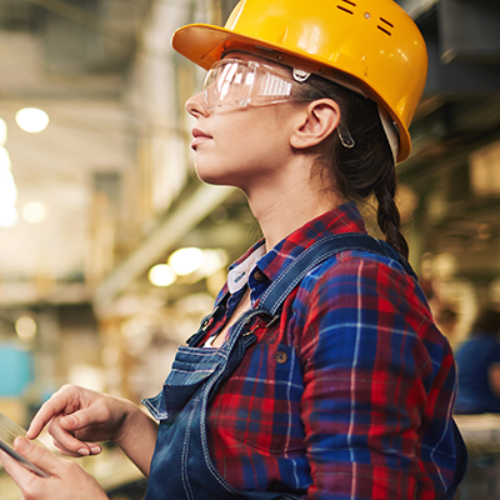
(9, 430)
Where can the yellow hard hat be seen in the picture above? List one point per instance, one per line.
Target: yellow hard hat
(370, 45)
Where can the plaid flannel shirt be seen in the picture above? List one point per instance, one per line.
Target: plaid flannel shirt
(365, 412)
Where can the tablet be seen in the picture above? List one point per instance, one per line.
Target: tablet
(9, 430)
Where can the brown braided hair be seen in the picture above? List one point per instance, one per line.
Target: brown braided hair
(369, 166)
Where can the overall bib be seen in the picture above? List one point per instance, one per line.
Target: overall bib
(181, 468)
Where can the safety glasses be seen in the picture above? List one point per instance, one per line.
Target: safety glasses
(234, 82)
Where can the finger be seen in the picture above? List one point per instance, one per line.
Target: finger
(63, 451)
(39, 456)
(54, 406)
(66, 441)
(94, 448)
(64, 428)
(80, 419)
(19, 474)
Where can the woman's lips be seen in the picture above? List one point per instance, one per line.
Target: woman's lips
(199, 137)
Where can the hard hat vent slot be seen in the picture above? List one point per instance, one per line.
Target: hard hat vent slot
(347, 9)
(385, 28)
(344, 9)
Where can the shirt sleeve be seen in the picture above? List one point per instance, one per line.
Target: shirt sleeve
(365, 372)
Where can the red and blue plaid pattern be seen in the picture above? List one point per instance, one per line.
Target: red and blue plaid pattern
(350, 394)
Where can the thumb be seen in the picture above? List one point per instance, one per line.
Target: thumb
(38, 456)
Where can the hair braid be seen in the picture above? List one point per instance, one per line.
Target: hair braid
(388, 217)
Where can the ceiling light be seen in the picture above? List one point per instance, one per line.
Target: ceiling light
(186, 260)
(3, 132)
(8, 215)
(161, 275)
(26, 327)
(34, 212)
(32, 120)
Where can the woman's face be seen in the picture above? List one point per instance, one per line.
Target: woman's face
(242, 146)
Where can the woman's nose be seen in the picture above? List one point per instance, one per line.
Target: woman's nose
(195, 105)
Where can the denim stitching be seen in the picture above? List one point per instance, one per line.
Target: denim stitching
(185, 452)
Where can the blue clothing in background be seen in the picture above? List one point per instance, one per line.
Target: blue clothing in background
(16, 370)
(474, 359)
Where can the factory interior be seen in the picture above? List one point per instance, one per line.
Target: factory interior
(112, 250)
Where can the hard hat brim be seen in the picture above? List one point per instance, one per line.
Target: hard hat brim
(206, 44)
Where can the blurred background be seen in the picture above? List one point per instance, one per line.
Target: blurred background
(111, 250)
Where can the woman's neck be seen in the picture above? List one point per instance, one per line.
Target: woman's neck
(282, 206)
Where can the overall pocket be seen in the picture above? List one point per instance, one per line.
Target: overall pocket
(191, 369)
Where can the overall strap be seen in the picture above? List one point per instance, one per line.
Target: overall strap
(275, 295)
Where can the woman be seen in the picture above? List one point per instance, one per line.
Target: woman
(320, 372)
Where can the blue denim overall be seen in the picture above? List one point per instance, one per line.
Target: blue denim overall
(181, 468)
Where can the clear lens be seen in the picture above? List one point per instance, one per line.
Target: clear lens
(235, 82)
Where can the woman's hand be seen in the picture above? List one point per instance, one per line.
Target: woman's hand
(78, 418)
(67, 481)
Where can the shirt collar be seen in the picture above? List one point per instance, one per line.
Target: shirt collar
(239, 273)
(342, 219)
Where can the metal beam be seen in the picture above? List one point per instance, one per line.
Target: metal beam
(415, 8)
(168, 234)
(458, 79)
(469, 31)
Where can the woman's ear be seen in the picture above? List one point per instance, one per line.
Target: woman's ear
(316, 122)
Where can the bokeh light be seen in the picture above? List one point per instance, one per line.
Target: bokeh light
(186, 260)
(32, 120)
(26, 327)
(162, 275)
(34, 212)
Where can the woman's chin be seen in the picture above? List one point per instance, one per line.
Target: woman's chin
(216, 178)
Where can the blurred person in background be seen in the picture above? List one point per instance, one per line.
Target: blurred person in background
(320, 373)
(478, 364)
